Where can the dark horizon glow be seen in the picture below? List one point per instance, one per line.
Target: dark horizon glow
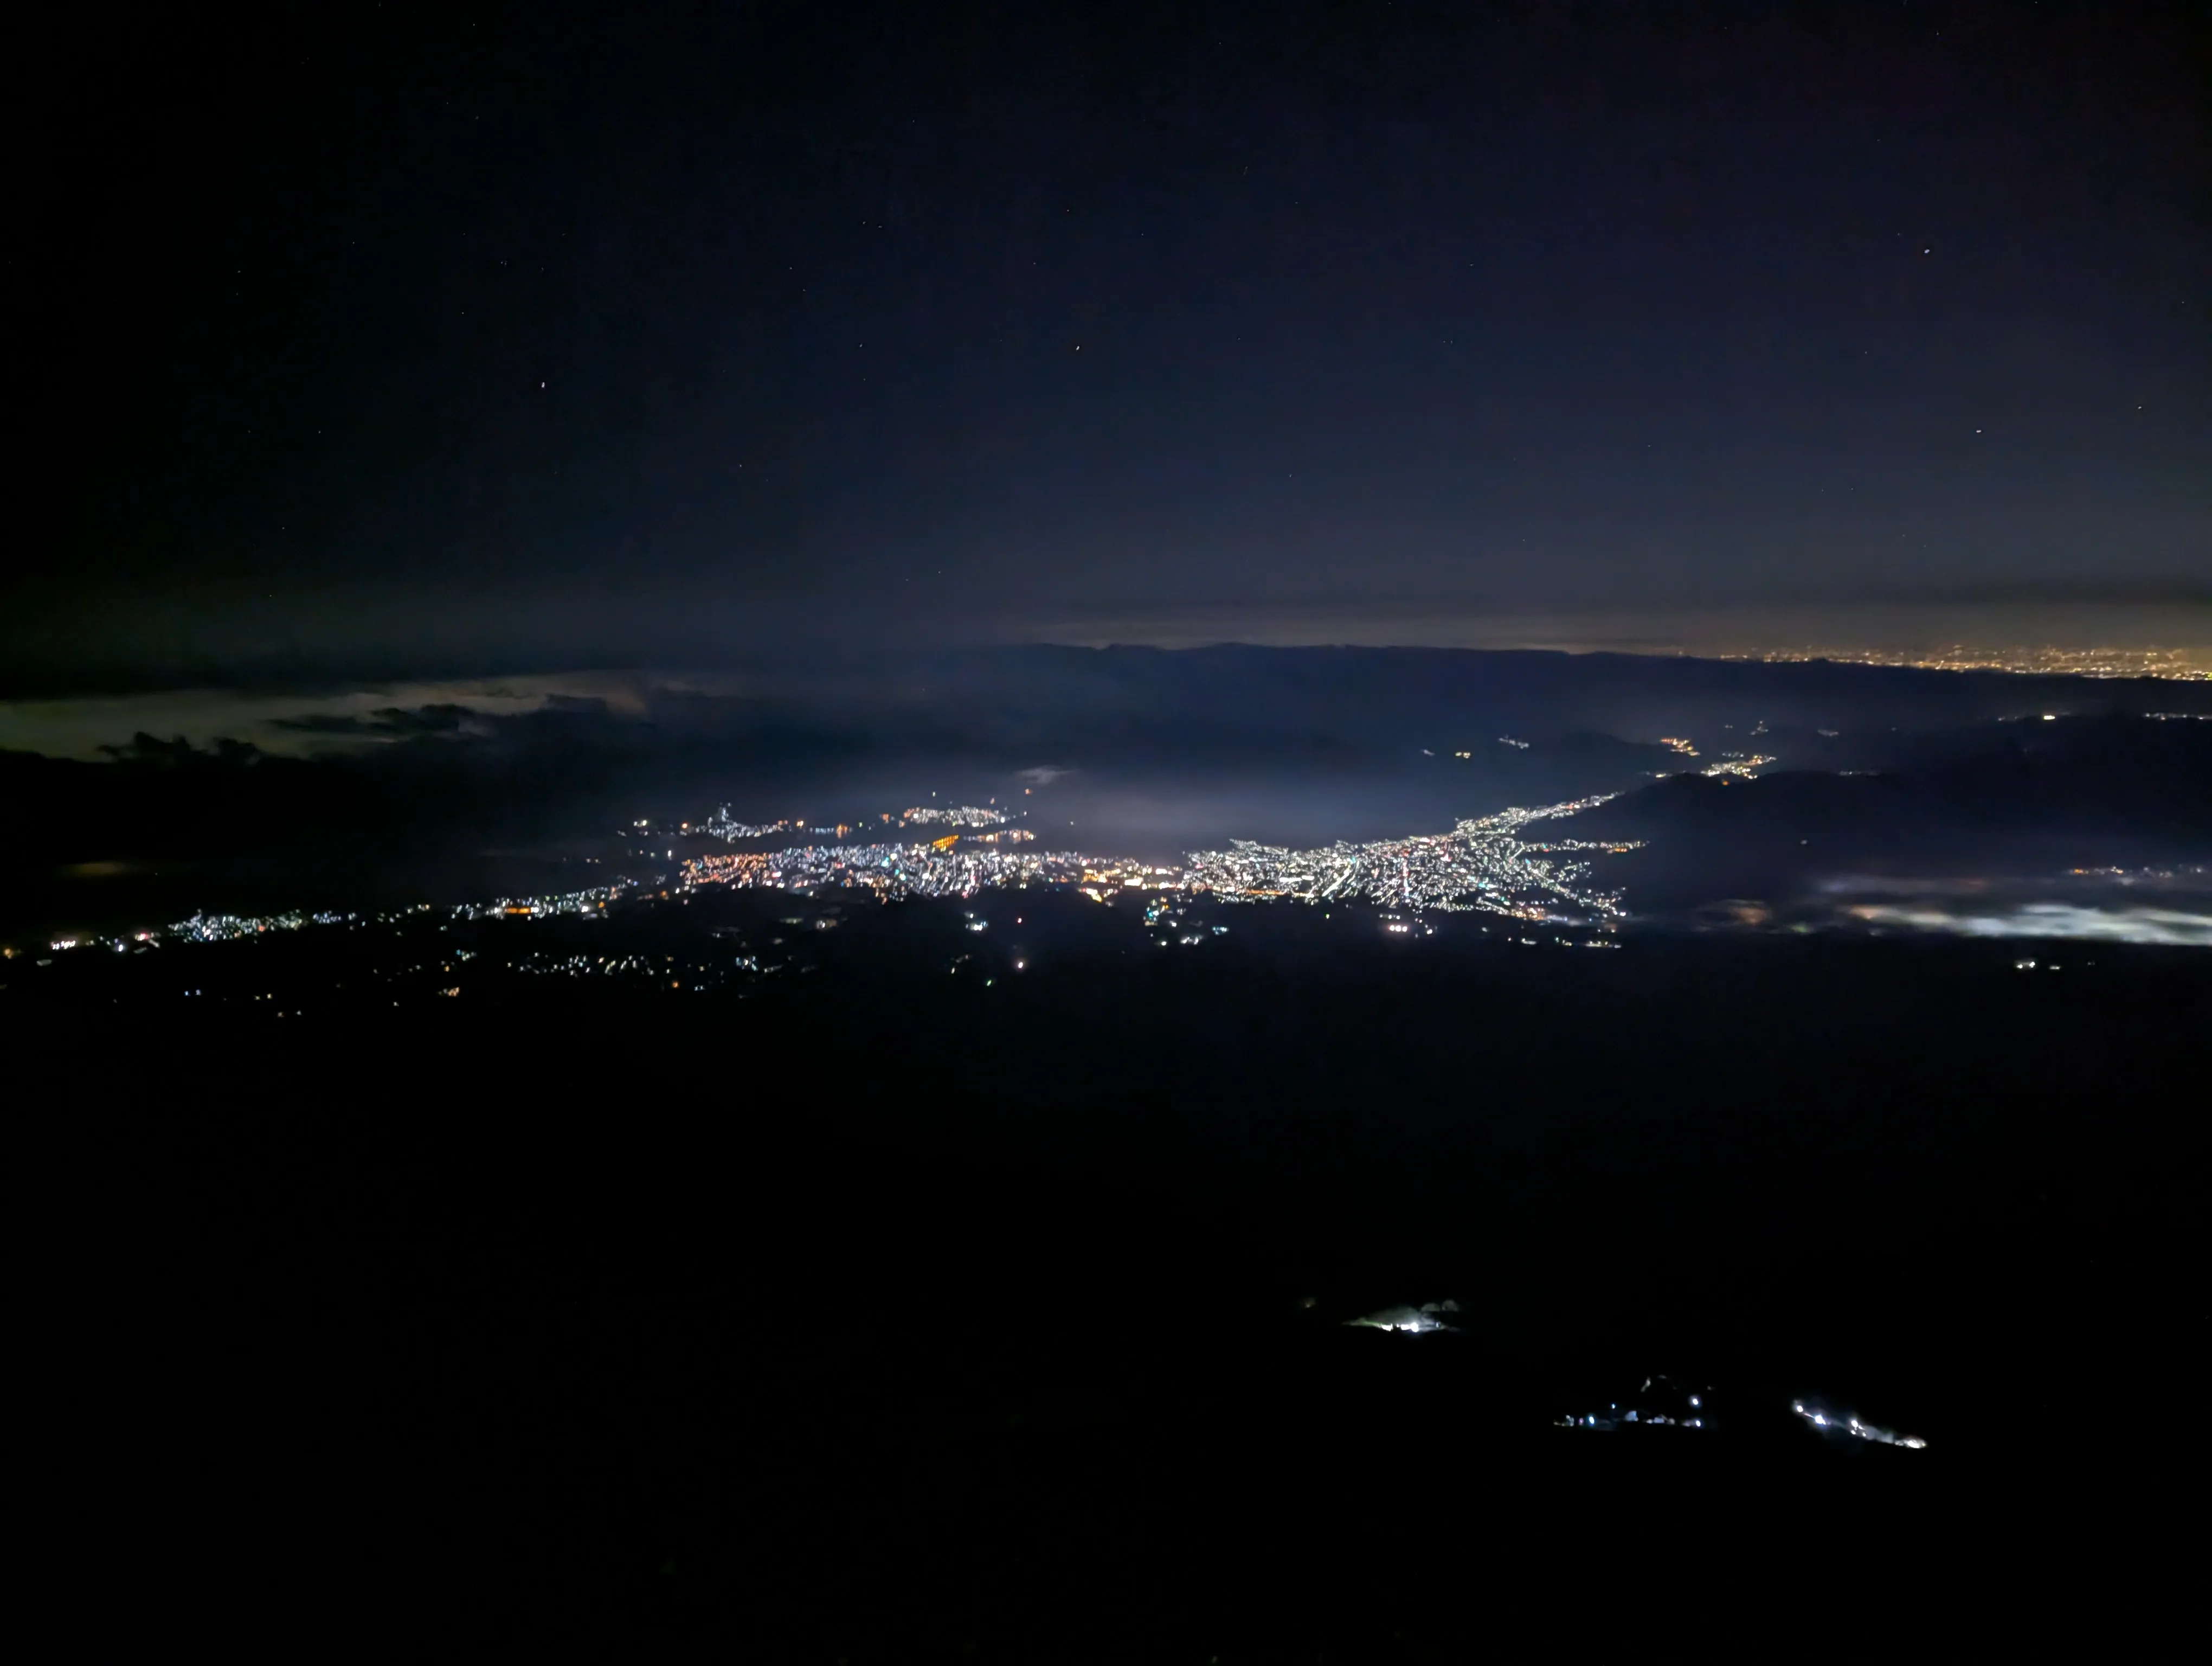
(541, 338)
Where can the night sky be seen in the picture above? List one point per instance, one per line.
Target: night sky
(356, 339)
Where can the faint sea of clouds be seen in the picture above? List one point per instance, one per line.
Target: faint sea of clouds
(2169, 927)
(304, 722)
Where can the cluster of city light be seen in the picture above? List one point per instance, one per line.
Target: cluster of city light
(947, 867)
(1738, 764)
(2184, 664)
(1487, 864)
(232, 927)
(726, 827)
(1484, 864)
(964, 815)
(227, 928)
(587, 903)
(2190, 874)
(691, 973)
(721, 825)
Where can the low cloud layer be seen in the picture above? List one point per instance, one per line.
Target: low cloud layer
(2054, 922)
(307, 723)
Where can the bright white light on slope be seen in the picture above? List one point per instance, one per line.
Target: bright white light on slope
(1414, 1321)
(1848, 1423)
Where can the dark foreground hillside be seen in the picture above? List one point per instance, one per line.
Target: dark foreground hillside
(886, 1316)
